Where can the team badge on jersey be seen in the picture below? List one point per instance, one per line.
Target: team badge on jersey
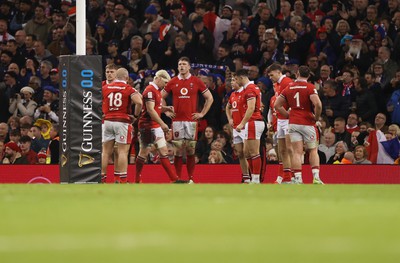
(184, 91)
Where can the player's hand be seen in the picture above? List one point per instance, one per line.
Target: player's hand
(170, 114)
(165, 127)
(231, 122)
(197, 116)
(239, 128)
(169, 108)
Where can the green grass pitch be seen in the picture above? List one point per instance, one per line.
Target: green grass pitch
(199, 223)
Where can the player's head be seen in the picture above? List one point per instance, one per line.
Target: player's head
(241, 76)
(161, 78)
(111, 70)
(274, 72)
(303, 72)
(184, 65)
(122, 74)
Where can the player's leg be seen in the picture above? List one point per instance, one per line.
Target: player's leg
(121, 176)
(123, 140)
(285, 151)
(244, 166)
(178, 142)
(311, 139)
(108, 138)
(107, 149)
(254, 130)
(191, 140)
(162, 149)
(297, 147)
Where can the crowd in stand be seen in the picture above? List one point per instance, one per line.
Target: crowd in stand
(351, 47)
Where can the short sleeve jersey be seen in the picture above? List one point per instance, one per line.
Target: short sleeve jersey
(283, 83)
(274, 113)
(236, 102)
(153, 94)
(297, 95)
(185, 96)
(117, 101)
(251, 91)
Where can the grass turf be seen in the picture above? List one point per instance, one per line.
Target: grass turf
(199, 223)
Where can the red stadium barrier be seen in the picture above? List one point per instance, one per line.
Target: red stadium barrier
(217, 173)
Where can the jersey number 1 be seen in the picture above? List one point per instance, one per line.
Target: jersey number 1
(115, 99)
(297, 97)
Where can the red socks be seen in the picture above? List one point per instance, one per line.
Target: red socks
(168, 168)
(178, 165)
(139, 167)
(190, 163)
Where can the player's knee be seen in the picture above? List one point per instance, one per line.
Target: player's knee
(160, 143)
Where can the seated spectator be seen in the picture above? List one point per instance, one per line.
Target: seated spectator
(42, 156)
(203, 146)
(361, 155)
(340, 131)
(13, 154)
(38, 142)
(13, 122)
(272, 157)
(216, 157)
(394, 130)
(53, 150)
(225, 140)
(2, 148)
(340, 149)
(348, 158)
(328, 146)
(22, 104)
(15, 136)
(4, 136)
(48, 108)
(31, 155)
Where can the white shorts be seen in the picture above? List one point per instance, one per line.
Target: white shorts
(120, 132)
(184, 130)
(282, 128)
(306, 133)
(238, 137)
(148, 136)
(253, 130)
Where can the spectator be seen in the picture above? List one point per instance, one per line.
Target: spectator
(41, 156)
(41, 53)
(203, 146)
(39, 24)
(102, 36)
(333, 104)
(340, 131)
(113, 55)
(365, 103)
(22, 104)
(215, 157)
(31, 155)
(38, 142)
(4, 136)
(13, 154)
(53, 150)
(380, 122)
(202, 41)
(48, 108)
(328, 146)
(340, 150)
(352, 121)
(348, 158)
(4, 35)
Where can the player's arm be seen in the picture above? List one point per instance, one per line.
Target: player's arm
(164, 94)
(228, 113)
(207, 105)
(317, 105)
(280, 101)
(251, 105)
(154, 115)
(137, 100)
